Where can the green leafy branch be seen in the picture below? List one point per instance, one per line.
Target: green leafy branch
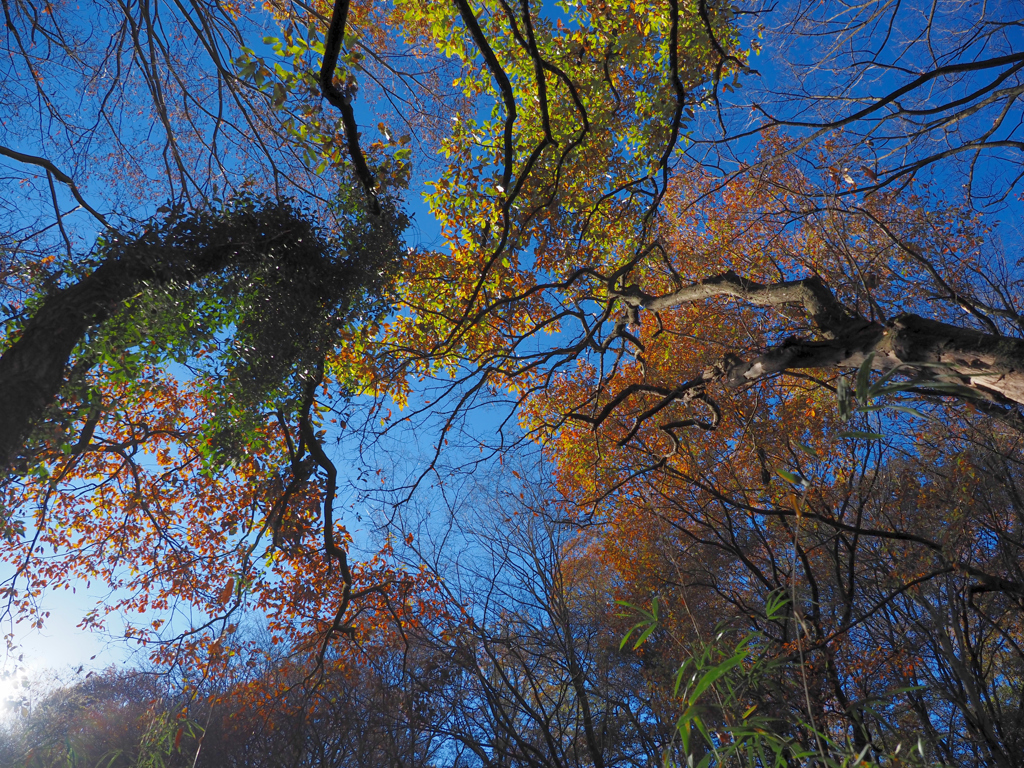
(862, 396)
(731, 731)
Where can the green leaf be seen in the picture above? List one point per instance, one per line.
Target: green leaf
(864, 377)
(952, 388)
(644, 635)
(683, 728)
(911, 411)
(647, 625)
(247, 71)
(279, 96)
(715, 674)
(892, 389)
(888, 375)
(843, 399)
(776, 602)
(697, 721)
(791, 477)
(679, 676)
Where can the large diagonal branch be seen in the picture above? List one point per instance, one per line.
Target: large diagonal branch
(991, 366)
(502, 81)
(32, 369)
(825, 310)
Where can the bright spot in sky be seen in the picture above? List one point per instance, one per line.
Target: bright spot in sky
(60, 646)
(11, 685)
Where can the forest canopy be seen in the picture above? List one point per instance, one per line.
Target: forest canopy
(692, 437)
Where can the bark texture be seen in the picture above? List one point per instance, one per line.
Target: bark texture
(990, 365)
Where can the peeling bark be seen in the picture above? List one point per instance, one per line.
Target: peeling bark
(991, 366)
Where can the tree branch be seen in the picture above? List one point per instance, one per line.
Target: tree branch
(991, 366)
(58, 174)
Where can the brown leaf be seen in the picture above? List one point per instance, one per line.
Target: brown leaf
(225, 594)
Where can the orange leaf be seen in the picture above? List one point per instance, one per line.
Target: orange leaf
(229, 588)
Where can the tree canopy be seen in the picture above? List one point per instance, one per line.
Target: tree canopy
(720, 334)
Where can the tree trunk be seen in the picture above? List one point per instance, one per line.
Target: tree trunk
(32, 369)
(991, 366)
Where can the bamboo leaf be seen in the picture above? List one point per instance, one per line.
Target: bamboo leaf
(854, 433)
(911, 411)
(863, 378)
(791, 477)
(715, 674)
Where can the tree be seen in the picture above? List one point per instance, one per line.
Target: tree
(214, 501)
(231, 279)
(676, 338)
(575, 230)
(314, 286)
(114, 110)
(540, 676)
(714, 500)
(641, 344)
(216, 472)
